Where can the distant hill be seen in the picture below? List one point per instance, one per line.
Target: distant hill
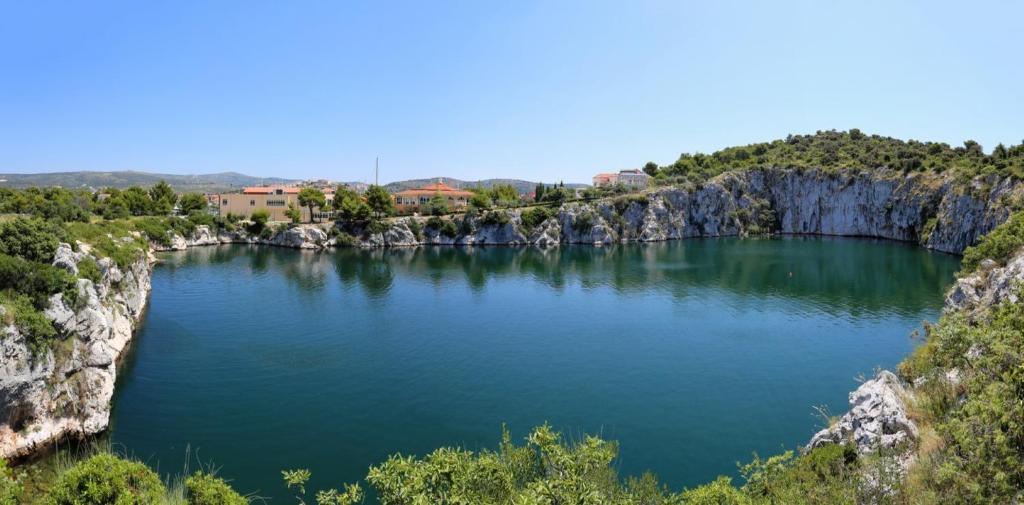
(521, 185)
(224, 181)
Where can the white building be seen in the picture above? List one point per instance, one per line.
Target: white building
(634, 178)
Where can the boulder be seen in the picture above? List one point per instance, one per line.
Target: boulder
(877, 417)
(301, 237)
(988, 286)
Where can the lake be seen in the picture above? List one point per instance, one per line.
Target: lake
(692, 354)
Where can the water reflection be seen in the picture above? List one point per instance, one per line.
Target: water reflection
(852, 275)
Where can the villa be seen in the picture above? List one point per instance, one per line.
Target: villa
(411, 200)
(634, 178)
(273, 199)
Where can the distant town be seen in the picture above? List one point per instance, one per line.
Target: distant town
(277, 199)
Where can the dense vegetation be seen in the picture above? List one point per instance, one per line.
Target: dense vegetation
(833, 150)
(998, 245)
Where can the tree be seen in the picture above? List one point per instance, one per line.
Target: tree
(480, 201)
(651, 168)
(115, 208)
(163, 192)
(259, 220)
(349, 207)
(312, 198)
(137, 200)
(538, 193)
(503, 194)
(556, 195)
(191, 202)
(32, 239)
(380, 201)
(436, 206)
(293, 213)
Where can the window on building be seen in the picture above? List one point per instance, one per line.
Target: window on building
(252, 203)
(224, 202)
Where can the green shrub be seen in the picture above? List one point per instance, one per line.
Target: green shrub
(205, 489)
(193, 203)
(445, 227)
(999, 244)
(377, 226)
(30, 321)
(10, 487)
(436, 206)
(202, 218)
(623, 202)
(117, 240)
(718, 492)
(37, 281)
(88, 269)
(495, 218)
(105, 479)
(415, 228)
(983, 432)
(258, 221)
(32, 239)
(584, 222)
(534, 216)
(448, 229)
(155, 229)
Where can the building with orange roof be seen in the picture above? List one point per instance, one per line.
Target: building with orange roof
(605, 179)
(411, 200)
(273, 199)
(633, 178)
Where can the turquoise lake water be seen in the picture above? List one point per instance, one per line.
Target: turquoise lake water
(691, 354)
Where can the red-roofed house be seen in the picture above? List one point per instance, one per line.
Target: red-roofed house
(411, 199)
(273, 199)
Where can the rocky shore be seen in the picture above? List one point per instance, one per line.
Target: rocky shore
(935, 212)
(65, 391)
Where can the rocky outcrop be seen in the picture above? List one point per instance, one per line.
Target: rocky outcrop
(877, 417)
(990, 285)
(65, 389)
(300, 237)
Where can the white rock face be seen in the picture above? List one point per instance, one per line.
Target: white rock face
(66, 390)
(989, 286)
(301, 237)
(202, 236)
(926, 209)
(877, 417)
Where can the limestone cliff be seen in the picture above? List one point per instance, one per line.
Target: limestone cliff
(65, 391)
(939, 213)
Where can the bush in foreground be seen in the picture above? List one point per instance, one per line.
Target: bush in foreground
(206, 489)
(105, 479)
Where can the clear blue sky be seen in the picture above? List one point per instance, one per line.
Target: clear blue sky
(473, 89)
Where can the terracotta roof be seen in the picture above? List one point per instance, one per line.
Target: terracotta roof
(268, 190)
